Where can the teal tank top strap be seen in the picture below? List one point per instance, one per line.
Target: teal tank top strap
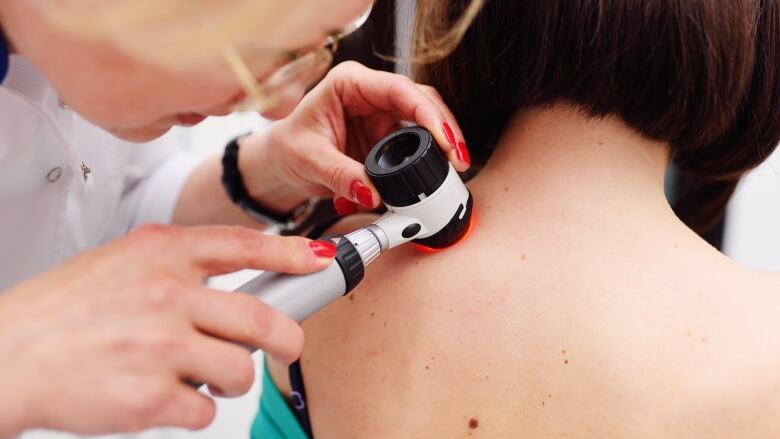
(275, 419)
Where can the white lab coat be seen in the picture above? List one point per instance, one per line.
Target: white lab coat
(66, 185)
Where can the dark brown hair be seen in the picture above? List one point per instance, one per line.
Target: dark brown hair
(702, 75)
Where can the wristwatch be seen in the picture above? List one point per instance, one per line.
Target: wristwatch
(233, 181)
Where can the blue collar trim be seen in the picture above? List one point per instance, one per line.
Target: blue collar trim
(4, 58)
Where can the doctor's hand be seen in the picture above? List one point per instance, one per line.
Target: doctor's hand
(107, 342)
(318, 149)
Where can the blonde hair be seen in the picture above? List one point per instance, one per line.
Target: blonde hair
(169, 31)
(434, 41)
(184, 31)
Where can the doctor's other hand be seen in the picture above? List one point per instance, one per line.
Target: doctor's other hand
(108, 341)
(319, 148)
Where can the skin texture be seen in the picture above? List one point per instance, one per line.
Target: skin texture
(579, 306)
(105, 342)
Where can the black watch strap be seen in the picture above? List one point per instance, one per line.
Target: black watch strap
(236, 190)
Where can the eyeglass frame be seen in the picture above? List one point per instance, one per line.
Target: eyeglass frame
(259, 96)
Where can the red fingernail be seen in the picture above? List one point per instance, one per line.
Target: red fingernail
(448, 133)
(362, 194)
(323, 249)
(463, 153)
(344, 207)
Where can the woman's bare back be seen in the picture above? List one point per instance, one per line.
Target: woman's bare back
(575, 308)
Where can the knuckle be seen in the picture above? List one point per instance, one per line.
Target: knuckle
(249, 243)
(154, 344)
(334, 174)
(259, 322)
(431, 91)
(165, 344)
(403, 80)
(346, 67)
(290, 260)
(248, 246)
(147, 402)
(152, 232)
(161, 291)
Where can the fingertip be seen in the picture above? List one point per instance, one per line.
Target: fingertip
(292, 348)
(216, 391)
(344, 207)
(364, 195)
(203, 414)
(463, 154)
(195, 411)
(456, 150)
(449, 135)
(323, 249)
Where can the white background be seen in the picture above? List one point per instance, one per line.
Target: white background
(753, 222)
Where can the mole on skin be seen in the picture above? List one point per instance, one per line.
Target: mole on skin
(473, 423)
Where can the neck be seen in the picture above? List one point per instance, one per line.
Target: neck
(4, 32)
(557, 161)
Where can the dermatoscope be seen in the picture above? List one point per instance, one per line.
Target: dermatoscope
(426, 202)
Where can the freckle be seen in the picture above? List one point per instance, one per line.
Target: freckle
(506, 189)
(433, 358)
(522, 256)
(703, 339)
(563, 351)
(426, 367)
(601, 143)
(549, 395)
(542, 402)
(372, 315)
(450, 309)
(689, 333)
(385, 324)
(351, 297)
(565, 361)
(473, 423)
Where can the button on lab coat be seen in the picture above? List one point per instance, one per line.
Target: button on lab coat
(66, 185)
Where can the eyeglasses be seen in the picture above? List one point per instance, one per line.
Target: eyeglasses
(292, 79)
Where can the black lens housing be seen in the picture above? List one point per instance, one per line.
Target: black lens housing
(405, 165)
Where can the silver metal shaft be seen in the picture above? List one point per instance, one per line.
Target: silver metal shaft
(300, 296)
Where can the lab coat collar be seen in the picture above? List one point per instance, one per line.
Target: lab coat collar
(26, 83)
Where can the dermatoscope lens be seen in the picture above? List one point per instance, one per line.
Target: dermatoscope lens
(398, 150)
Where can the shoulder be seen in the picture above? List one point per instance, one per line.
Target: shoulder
(724, 358)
